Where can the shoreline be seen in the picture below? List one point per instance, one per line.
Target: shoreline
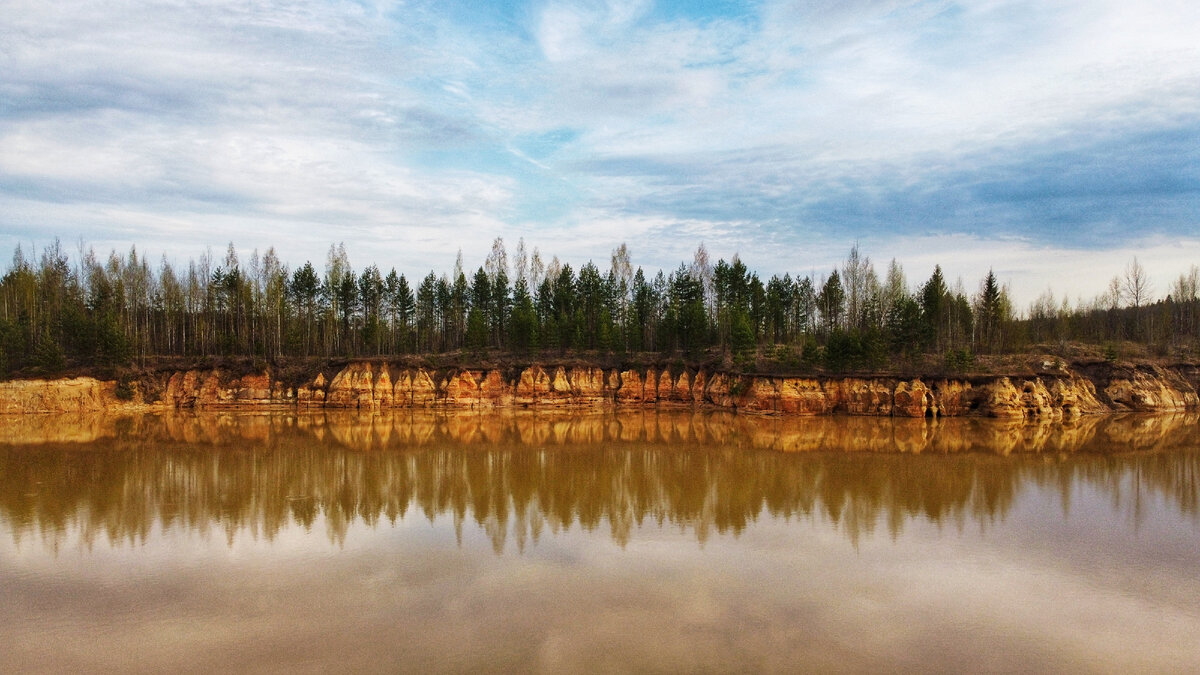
(1054, 389)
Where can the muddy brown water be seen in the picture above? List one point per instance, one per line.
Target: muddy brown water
(617, 541)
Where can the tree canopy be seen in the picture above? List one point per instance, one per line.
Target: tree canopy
(57, 313)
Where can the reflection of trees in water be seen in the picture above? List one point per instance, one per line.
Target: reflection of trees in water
(518, 476)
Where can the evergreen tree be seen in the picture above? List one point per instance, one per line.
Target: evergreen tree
(564, 303)
(935, 310)
(831, 303)
(304, 289)
(427, 318)
(523, 325)
(371, 300)
(481, 313)
(988, 312)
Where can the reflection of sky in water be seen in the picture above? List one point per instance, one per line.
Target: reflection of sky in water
(1079, 570)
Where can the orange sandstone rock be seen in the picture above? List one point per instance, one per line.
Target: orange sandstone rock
(494, 391)
(665, 386)
(313, 393)
(760, 395)
(402, 389)
(383, 394)
(58, 396)
(588, 386)
(681, 392)
(559, 388)
(650, 387)
(461, 390)
(424, 391)
(1150, 390)
(913, 399)
(1002, 399)
(954, 397)
(802, 396)
(254, 389)
(630, 390)
(532, 386)
(352, 387)
(719, 391)
(699, 384)
(866, 396)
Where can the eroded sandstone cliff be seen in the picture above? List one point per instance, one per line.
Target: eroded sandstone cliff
(1065, 392)
(58, 396)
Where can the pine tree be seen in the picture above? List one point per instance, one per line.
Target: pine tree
(935, 308)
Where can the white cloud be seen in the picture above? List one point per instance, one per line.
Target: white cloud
(387, 121)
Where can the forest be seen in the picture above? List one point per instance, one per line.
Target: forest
(59, 314)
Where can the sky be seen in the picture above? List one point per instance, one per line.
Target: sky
(1051, 141)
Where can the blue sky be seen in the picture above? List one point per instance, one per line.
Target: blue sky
(1050, 140)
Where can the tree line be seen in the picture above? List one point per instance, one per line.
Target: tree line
(57, 313)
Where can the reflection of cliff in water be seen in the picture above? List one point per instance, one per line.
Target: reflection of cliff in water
(519, 475)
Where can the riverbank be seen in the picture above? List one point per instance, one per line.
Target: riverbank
(1047, 388)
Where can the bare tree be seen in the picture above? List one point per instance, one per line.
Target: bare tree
(1136, 287)
(856, 274)
(1187, 287)
(553, 270)
(1136, 284)
(537, 270)
(521, 264)
(622, 272)
(1186, 291)
(497, 261)
(702, 271)
(1112, 296)
(895, 288)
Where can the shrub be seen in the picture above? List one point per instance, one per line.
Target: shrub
(124, 390)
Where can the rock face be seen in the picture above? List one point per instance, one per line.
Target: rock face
(378, 385)
(313, 393)
(867, 396)
(589, 386)
(913, 399)
(461, 390)
(494, 392)
(58, 396)
(215, 389)
(802, 396)
(629, 387)
(954, 398)
(352, 387)
(1151, 389)
(1037, 398)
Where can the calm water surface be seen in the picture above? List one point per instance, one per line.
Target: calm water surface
(607, 542)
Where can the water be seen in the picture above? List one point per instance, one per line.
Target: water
(604, 542)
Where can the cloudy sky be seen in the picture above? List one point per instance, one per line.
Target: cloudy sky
(1052, 140)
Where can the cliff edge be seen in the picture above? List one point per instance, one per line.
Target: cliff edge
(1056, 390)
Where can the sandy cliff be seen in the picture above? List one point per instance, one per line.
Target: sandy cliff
(58, 396)
(1065, 392)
